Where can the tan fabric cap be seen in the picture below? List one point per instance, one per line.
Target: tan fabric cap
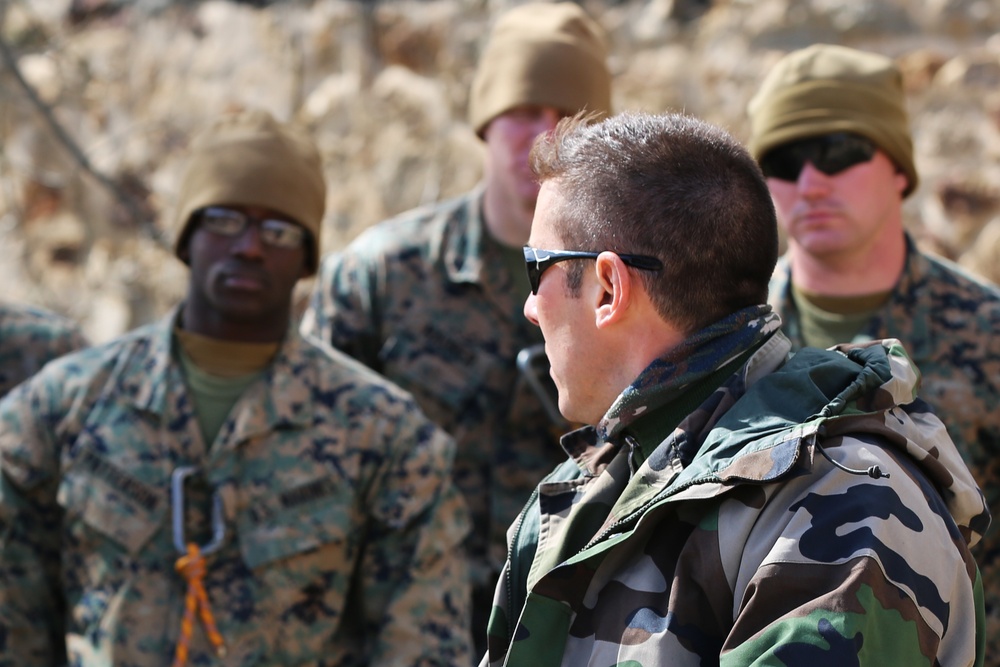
(545, 54)
(249, 158)
(825, 88)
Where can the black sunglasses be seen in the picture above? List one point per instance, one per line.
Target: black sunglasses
(830, 153)
(536, 261)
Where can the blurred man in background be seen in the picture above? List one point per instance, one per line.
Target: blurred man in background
(432, 299)
(31, 337)
(830, 130)
(213, 484)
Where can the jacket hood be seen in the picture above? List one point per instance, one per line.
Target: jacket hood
(850, 390)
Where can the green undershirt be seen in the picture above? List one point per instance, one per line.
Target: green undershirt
(217, 373)
(213, 396)
(829, 320)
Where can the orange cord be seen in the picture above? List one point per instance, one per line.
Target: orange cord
(192, 566)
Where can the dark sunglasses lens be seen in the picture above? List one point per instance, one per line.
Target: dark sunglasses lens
(783, 163)
(531, 266)
(831, 154)
(844, 153)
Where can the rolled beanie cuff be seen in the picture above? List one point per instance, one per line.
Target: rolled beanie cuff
(813, 108)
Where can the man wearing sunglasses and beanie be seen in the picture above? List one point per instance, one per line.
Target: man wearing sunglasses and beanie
(830, 131)
(215, 489)
(728, 505)
(432, 299)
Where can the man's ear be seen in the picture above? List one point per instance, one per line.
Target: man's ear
(901, 182)
(615, 285)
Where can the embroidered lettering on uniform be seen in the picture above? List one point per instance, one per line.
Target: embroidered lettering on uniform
(306, 493)
(121, 480)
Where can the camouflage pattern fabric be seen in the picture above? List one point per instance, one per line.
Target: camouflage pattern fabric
(737, 541)
(341, 524)
(949, 323)
(422, 300)
(30, 338)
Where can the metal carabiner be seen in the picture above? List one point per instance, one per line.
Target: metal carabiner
(177, 508)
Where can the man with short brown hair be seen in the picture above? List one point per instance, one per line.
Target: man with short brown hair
(727, 505)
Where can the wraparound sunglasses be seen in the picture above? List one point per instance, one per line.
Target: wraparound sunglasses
(829, 153)
(536, 261)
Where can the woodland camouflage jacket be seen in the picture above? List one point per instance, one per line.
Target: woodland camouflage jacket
(341, 525)
(737, 542)
(949, 323)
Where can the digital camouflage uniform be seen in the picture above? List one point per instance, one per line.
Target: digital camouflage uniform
(949, 323)
(727, 537)
(423, 301)
(30, 338)
(340, 524)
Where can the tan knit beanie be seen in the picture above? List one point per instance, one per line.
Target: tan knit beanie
(249, 158)
(825, 88)
(545, 54)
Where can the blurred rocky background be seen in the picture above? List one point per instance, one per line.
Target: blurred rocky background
(99, 97)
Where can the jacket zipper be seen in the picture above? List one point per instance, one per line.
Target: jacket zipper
(508, 584)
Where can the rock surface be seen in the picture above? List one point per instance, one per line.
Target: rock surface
(383, 87)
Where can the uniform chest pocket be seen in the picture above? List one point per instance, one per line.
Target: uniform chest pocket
(315, 516)
(442, 372)
(104, 501)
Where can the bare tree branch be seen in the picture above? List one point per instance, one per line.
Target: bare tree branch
(135, 209)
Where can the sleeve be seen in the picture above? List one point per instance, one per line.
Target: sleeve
(31, 598)
(844, 570)
(345, 307)
(415, 579)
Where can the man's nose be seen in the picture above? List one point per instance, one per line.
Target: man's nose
(812, 181)
(530, 312)
(248, 242)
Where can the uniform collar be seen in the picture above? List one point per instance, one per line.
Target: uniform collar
(462, 247)
(281, 400)
(469, 256)
(905, 315)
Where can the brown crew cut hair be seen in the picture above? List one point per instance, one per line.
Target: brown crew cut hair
(673, 187)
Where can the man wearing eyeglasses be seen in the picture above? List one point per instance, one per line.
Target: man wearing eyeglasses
(432, 299)
(729, 505)
(215, 489)
(830, 130)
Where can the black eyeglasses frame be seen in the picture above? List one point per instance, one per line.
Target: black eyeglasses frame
(272, 228)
